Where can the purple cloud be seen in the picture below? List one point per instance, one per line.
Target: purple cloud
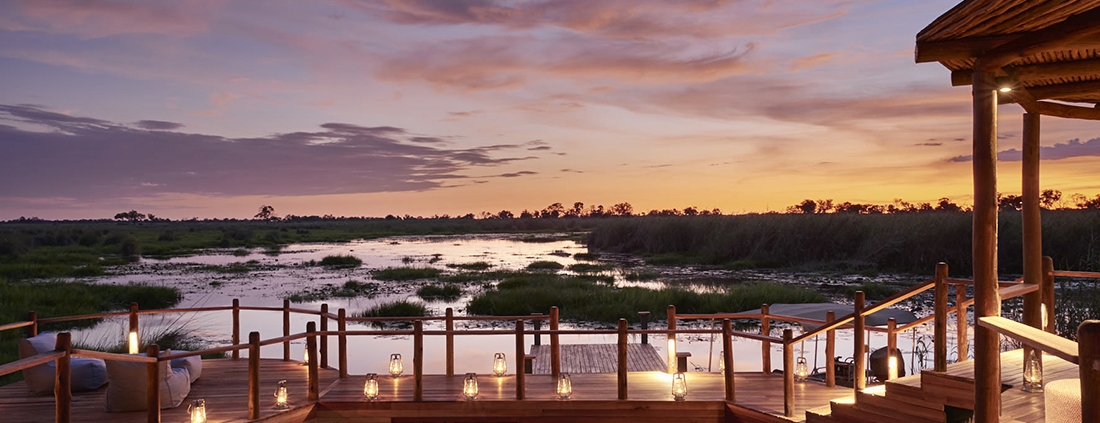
(158, 125)
(1058, 151)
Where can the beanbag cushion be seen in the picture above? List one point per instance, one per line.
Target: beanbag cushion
(128, 385)
(87, 374)
(193, 364)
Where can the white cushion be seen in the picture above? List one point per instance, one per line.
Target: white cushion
(87, 374)
(128, 385)
(193, 364)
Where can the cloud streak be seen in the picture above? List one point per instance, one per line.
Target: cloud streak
(1058, 151)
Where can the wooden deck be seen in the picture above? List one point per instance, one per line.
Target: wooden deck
(599, 358)
(224, 387)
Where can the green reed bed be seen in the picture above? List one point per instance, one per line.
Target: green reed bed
(447, 292)
(403, 308)
(405, 273)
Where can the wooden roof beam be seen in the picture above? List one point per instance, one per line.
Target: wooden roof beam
(969, 48)
(1028, 73)
(1050, 38)
(1063, 92)
(1067, 111)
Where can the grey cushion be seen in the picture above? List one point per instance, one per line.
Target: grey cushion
(128, 385)
(87, 374)
(193, 364)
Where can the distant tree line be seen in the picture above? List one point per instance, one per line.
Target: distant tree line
(1050, 199)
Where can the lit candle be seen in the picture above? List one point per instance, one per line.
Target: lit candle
(281, 396)
(500, 364)
(197, 410)
(801, 370)
(370, 388)
(679, 387)
(395, 365)
(565, 386)
(134, 349)
(469, 386)
(893, 372)
(1033, 373)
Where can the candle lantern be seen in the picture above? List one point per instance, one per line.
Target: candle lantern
(197, 411)
(305, 357)
(722, 362)
(565, 386)
(1033, 373)
(801, 370)
(370, 388)
(395, 365)
(469, 386)
(133, 342)
(679, 387)
(500, 364)
(281, 396)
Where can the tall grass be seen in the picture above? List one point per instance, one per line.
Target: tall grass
(403, 308)
(908, 242)
(405, 273)
(447, 292)
(582, 299)
(341, 261)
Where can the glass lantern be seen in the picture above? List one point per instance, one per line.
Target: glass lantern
(722, 362)
(370, 387)
(679, 387)
(395, 365)
(133, 341)
(565, 386)
(197, 411)
(801, 370)
(469, 386)
(1033, 373)
(281, 396)
(305, 357)
(500, 364)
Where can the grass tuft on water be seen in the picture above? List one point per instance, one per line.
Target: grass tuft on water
(405, 273)
(545, 265)
(477, 265)
(341, 261)
(403, 308)
(350, 289)
(448, 292)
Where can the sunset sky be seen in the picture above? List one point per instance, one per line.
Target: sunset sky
(208, 108)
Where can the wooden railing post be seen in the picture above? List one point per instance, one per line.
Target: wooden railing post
(538, 326)
(1048, 295)
(418, 360)
(555, 346)
(621, 365)
(830, 352)
(939, 341)
(765, 346)
(788, 373)
(342, 341)
(286, 329)
(859, 378)
(521, 378)
(727, 359)
(323, 346)
(891, 345)
(32, 330)
(236, 327)
(643, 317)
(152, 370)
(253, 375)
(962, 340)
(1088, 351)
(62, 387)
(671, 313)
(134, 324)
(314, 390)
(450, 326)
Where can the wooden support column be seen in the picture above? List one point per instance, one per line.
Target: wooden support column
(521, 352)
(621, 367)
(830, 352)
(342, 342)
(727, 359)
(670, 312)
(643, 319)
(32, 330)
(555, 346)
(236, 327)
(152, 397)
(418, 360)
(323, 347)
(788, 373)
(987, 358)
(1088, 349)
(961, 324)
(1048, 295)
(765, 346)
(253, 375)
(450, 327)
(939, 334)
(1032, 228)
(314, 385)
(286, 329)
(62, 386)
(859, 350)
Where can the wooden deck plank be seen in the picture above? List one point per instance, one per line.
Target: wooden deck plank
(598, 358)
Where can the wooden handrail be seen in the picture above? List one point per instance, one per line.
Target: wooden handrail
(894, 299)
(15, 325)
(26, 363)
(185, 310)
(1076, 274)
(720, 316)
(82, 317)
(1033, 337)
(216, 350)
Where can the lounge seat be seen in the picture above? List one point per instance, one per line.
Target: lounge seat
(87, 374)
(193, 364)
(128, 385)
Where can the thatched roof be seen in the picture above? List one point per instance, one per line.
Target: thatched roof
(1049, 48)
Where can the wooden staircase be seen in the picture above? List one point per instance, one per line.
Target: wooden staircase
(922, 398)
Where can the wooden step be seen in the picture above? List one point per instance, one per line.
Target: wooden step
(850, 412)
(822, 414)
(878, 401)
(956, 391)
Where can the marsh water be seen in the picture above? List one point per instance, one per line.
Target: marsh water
(275, 275)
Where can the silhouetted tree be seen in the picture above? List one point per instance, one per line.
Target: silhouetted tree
(690, 211)
(266, 213)
(131, 215)
(552, 211)
(1009, 202)
(505, 214)
(1049, 197)
(622, 209)
(576, 211)
(807, 206)
(946, 205)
